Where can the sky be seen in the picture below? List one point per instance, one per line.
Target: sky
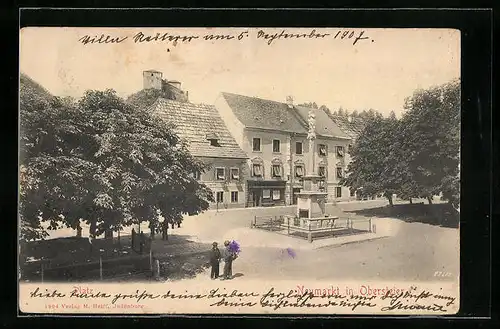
(378, 72)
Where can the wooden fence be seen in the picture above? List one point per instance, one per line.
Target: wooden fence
(312, 229)
(146, 266)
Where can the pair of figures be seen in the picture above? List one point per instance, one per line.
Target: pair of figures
(228, 255)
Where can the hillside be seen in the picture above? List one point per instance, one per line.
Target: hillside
(29, 86)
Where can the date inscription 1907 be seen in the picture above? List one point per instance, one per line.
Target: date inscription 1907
(354, 36)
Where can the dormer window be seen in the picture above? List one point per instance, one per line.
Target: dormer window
(213, 138)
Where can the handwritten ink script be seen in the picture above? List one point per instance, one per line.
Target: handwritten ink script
(346, 35)
(365, 298)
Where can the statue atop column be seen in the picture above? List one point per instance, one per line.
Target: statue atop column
(312, 125)
(311, 136)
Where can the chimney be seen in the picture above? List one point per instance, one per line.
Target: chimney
(289, 101)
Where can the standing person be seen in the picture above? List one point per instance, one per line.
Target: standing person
(134, 237)
(142, 242)
(215, 257)
(228, 257)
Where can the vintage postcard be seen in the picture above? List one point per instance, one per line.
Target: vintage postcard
(239, 171)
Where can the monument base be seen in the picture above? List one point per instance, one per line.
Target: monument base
(311, 204)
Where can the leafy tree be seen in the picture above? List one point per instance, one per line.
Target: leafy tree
(355, 114)
(312, 105)
(42, 131)
(404, 184)
(363, 115)
(147, 97)
(371, 113)
(417, 156)
(373, 159)
(324, 108)
(106, 162)
(432, 119)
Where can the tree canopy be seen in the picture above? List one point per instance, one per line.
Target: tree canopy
(102, 161)
(312, 105)
(146, 97)
(416, 156)
(365, 115)
(432, 122)
(373, 159)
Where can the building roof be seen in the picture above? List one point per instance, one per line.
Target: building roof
(352, 128)
(260, 113)
(324, 125)
(195, 123)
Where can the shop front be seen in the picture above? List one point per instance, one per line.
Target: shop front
(265, 193)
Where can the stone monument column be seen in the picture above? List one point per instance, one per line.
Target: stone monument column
(311, 136)
(310, 200)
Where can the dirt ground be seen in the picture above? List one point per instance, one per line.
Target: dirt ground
(415, 250)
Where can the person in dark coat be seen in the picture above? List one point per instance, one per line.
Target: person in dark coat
(134, 237)
(142, 242)
(215, 257)
(228, 257)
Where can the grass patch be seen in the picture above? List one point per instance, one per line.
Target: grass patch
(442, 214)
(72, 259)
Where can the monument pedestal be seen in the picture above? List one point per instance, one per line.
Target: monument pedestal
(311, 201)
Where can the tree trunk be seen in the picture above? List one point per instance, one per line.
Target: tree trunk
(108, 234)
(411, 201)
(152, 231)
(164, 231)
(173, 225)
(389, 198)
(93, 228)
(78, 231)
(429, 198)
(179, 225)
